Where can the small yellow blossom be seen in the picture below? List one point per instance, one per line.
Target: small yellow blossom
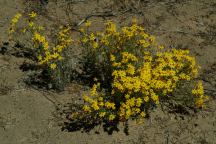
(112, 117)
(53, 66)
(82, 30)
(33, 14)
(88, 23)
(31, 24)
(95, 45)
(95, 105)
(84, 40)
(40, 57)
(102, 114)
(112, 58)
(142, 114)
(110, 105)
(86, 108)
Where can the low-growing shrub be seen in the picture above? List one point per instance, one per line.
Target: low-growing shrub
(51, 56)
(128, 71)
(133, 73)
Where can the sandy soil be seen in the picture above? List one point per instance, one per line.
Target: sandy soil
(31, 116)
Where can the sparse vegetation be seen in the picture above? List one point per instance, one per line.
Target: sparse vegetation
(132, 73)
(128, 66)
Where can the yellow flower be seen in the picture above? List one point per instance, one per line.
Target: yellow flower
(39, 57)
(128, 113)
(84, 40)
(87, 99)
(112, 58)
(14, 22)
(112, 117)
(82, 30)
(33, 14)
(101, 104)
(16, 18)
(146, 98)
(39, 38)
(110, 105)
(161, 47)
(60, 58)
(31, 24)
(199, 103)
(100, 98)
(131, 69)
(102, 114)
(94, 89)
(55, 55)
(86, 108)
(152, 38)
(118, 85)
(115, 64)
(95, 45)
(88, 23)
(128, 56)
(47, 53)
(139, 102)
(127, 96)
(142, 114)
(137, 110)
(53, 66)
(154, 97)
(131, 102)
(95, 105)
(104, 41)
(198, 92)
(58, 48)
(92, 37)
(45, 45)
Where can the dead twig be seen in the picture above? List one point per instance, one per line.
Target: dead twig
(103, 15)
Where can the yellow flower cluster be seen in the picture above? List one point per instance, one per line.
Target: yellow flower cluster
(91, 39)
(198, 92)
(142, 71)
(157, 76)
(96, 102)
(46, 54)
(13, 23)
(50, 56)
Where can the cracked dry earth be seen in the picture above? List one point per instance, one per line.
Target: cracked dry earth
(29, 116)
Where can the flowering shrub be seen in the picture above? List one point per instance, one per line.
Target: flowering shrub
(133, 72)
(49, 56)
(129, 71)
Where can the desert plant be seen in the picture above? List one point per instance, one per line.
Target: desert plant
(50, 56)
(128, 71)
(131, 73)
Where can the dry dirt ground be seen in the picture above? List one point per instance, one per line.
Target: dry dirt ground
(30, 116)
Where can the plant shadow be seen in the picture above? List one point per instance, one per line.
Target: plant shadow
(86, 122)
